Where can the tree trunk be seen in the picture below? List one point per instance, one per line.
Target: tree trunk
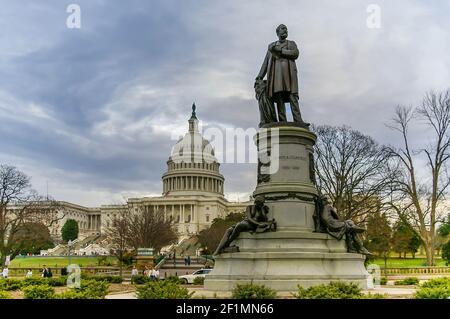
(429, 251)
(120, 264)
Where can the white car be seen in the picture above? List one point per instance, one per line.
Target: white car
(189, 279)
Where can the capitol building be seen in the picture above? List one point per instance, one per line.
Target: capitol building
(192, 195)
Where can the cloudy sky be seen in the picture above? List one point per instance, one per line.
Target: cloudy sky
(93, 112)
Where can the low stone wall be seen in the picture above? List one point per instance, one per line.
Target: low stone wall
(415, 270)
(21, 272)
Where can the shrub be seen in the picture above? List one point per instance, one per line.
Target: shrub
(407, 281)
(57, 282)
(90, 289)
(437, 282)
(71, 294)
(108, 279)
(10, 284)
(199, 280)
(104, 261)
(174, 279)
(334, 290)
(163, 289)
(374, 296)
(34, 282)
(4, 295)
(383, 281)
(38, 292)
(140, 280)
(94, 289)
(438, 288)
(433, 293)
(251, 291)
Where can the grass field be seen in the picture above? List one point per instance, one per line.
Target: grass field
(405, 263)
(57, 261)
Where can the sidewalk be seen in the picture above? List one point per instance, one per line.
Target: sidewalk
(392, 292)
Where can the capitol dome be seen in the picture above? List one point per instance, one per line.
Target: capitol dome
(192, 167)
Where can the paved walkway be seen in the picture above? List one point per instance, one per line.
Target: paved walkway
(392, 292)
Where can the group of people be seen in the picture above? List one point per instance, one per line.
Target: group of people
(46, 272)
(187, 260)
(151, 272)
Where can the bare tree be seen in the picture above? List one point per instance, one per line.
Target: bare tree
(350, 168)
(19, 205)
(418, 199)
(117, 235)
(150, 229)
(130, 230)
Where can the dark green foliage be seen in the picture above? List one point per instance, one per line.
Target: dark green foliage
(211, 237)
(104, 261)
(158, 259)
(383, 281)
(438, 288)
(251, 291)
(34, 281)
(379, 234)
(10, 284)
(174, 279)
(4, 295)
(70, 230)
(444, 229)
(163, 289)
(334, 290)
(106, 278)
(38, 292)
(404, 239)
(57, 282)
(407, 281)
(437, 282)
(199, 280)
(127, 258)
(140, 280)
(90, 289)
(32, 238)
(446, 252)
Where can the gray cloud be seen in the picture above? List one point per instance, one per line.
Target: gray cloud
(96, 110)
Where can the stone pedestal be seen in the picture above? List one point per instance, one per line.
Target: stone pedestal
(294, 254)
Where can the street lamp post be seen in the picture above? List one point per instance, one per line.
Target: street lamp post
(69, 245)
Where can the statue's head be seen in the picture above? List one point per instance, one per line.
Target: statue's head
(259, 200)
(282, 32)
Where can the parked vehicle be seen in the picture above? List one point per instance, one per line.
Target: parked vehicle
(189, 279)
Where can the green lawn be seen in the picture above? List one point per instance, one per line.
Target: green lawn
(57, 261)
(405, 263)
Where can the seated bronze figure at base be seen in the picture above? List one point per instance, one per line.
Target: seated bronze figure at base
(256, 221)
(327, 220)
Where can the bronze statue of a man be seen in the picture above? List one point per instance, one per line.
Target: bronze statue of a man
(279, 65)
